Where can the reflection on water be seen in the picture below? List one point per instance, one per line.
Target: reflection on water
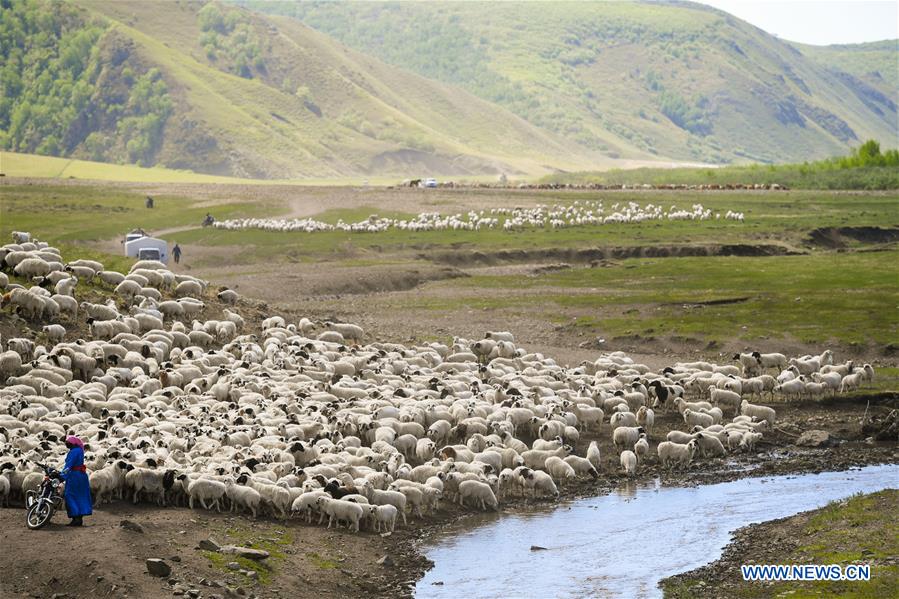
(622, 544)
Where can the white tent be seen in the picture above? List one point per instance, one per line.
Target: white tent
(147, 248)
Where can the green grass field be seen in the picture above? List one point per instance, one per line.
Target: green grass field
(817, 296)
(80, 213)
(13, 164)
(793, 176)
(772, 218)
(816, 299)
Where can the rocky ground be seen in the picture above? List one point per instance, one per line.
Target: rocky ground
(861, 530)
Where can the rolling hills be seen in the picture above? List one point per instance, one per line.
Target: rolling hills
(677, 79)
(267, 90)
(221, 90)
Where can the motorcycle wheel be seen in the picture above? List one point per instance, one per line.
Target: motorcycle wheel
(39, 514)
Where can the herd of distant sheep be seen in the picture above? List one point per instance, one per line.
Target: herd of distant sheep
(312, 421)
(576, 214)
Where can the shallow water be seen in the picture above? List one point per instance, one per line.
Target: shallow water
(624, 543)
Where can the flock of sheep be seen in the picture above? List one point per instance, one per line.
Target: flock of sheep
(576, 214)
(305, 420)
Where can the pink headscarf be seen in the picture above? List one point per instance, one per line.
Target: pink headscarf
(73, 440)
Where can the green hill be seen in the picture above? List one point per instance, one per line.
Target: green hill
(677, 80)
(222, 90)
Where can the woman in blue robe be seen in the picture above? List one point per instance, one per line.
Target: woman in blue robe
(78, 487)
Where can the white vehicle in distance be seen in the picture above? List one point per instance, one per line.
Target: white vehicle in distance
(430, 182)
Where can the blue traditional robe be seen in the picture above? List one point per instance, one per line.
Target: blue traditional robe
(78, 488)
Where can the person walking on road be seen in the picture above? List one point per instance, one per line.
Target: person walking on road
(176, 253)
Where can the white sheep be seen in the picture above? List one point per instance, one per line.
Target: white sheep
(337, 510)
(559, 469)
(629, 462)
(480, 492)
(54, 332)
(203, 490)
(710, 444)
(702, 419)
(243, 497)
(593, 455)
(760, 412)
(725, 398)
(582, 466)
(676, 454)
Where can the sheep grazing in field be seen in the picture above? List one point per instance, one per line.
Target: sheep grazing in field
(187, 403)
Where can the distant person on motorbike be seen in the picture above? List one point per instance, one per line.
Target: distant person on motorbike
(78, 488)
(208, 220)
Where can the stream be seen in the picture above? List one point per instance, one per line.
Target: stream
(621, 544)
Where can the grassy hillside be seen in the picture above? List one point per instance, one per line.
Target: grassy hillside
(14, 164)
(875, 63)
(677, 80)
(221, 90)
(865, 168)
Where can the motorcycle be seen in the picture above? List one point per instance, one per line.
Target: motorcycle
(41, 504)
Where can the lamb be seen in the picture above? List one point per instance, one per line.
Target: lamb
(760, 412)
(676, 454)
(384, 515)
(480, 492)
(629, 462)
(749, 362)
